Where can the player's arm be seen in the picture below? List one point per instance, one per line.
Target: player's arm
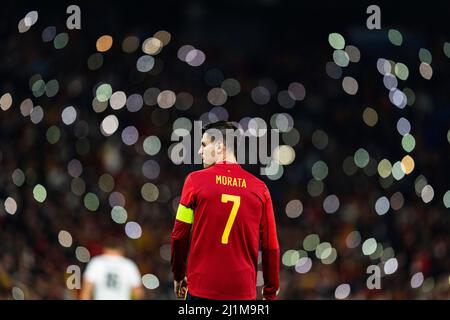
(180, 236)
(90, 277)
(270, 250)
(86, 290)
(137, 292)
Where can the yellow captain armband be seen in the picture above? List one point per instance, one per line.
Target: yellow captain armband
(185, 214)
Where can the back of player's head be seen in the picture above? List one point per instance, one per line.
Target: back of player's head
(223, 131)
(220, 125)
(114, 240)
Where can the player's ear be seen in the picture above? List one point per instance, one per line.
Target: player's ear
(220, 148)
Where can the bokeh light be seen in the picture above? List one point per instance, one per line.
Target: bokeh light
(350, 85)
(427, 193)
(333, 70)
(370, 117)
(82, 254)
(116, 199)
(18, 177)
(91, 201)
(315, 187)
(119, 214)
(397, 201)
(150, 169)
(391, 266)
(217, 96)
(342, 291)
(319, 139)
(150, 281)
(39, 193)
(60, 40)
(417, 280)
(69, 115)
(130, 135)
(382, 205)
(369, 246)
(109, 125)
(103, 92)
(425, 56)
(401, 71)
(323, 250)
(408, 142)
(408, 164)
(425, 70)
(104, 43)
(133, 230)
(106, 182)
(331, 204)
(446, 199)
(152, 145)
(37, 114)
(130, 44)
(353, 53)
(319, 170)
(341, 58)
(152, 46)
(145, 63)
(48, 34)
(303, 265)
(231, 86)
(95, 61)
(284, 155)
(17, 293)
(166, 99)
(75, 168)
(395, 37)
(336, 41)
(163, 36)
(10, 205)
(290, 258)
(65, 239)
(118, 100)
(310, 242)
(361, 158)
(353, 239)
(195, 58)
(294, 208)
(260, 95)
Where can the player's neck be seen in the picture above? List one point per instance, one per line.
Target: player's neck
(112, 252)
(229, 158)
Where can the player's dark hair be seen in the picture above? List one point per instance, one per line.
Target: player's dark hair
(223, 127)
(114, 238)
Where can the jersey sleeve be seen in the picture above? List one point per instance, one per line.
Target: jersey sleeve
(187, 198)
(182, 229)
(92, 271)
(270, 249)
(135, 275)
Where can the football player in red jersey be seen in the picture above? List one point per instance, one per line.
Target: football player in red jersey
(224, 215)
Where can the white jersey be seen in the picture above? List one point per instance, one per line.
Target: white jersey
(113, 277)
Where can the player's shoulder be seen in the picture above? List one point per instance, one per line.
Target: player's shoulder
(198, 174)
(95, 263)
(131, 266)
(255, 180)
(96, 259)
(129, 261)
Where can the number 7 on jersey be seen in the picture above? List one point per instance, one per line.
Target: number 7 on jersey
(236, 203)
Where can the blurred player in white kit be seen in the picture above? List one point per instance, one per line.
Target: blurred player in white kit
(111, 276)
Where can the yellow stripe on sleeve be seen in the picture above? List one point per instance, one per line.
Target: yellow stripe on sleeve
(185, 214)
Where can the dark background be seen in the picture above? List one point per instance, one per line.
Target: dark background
(249, 41)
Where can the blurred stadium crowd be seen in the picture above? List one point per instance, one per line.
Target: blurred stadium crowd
(90, 146)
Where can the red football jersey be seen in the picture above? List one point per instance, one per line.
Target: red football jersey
(231, 215)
